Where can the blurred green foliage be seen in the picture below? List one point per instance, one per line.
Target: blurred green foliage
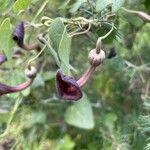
(111, 115)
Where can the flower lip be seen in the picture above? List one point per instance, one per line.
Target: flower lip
(18, 33)
(67, 87)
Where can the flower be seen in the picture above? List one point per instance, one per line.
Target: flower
(18, 34)
(67, 87)
(2, 58)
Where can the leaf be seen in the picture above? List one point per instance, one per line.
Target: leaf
(5, 38)
(20, 5)
(61, 43)
(36, 117)
(80, 114)
(4, 116)
(56, 31)
(117, 4)
(76, 5)
(101, 4)
(64, 52)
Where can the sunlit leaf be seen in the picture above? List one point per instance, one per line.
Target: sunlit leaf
(21, 5)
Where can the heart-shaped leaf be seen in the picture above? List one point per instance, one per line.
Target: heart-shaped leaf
(80, 114)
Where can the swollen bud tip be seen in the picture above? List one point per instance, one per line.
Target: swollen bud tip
(31, 73)
(95, 58)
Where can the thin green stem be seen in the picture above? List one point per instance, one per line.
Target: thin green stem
(31, 60)
(18, 102)
(99, 41)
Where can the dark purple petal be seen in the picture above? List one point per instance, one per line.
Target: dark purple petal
(2, 58)
(67, 87)
(18, 33)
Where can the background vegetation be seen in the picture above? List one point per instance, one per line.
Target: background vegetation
(114, 111)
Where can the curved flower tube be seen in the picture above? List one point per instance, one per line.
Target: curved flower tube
(18, 37)
(31, 74)
(5, 89)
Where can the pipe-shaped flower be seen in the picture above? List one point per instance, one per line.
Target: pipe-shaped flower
(18, 34)
(2, 58)
(67, 87)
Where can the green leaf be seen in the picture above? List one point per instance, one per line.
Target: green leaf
(80, 114)
(4, 116)
(76, 5)
(64, 52)
(117, 4)
(21, 5)
(36, 117)
(5, 38)
(56, 31)
(61, 43)
(101, 4)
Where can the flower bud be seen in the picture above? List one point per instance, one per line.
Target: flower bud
(96, 59)
(31, 73)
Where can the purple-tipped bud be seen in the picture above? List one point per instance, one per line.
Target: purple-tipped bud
(2, 58)
(18, 33)
(67, 87)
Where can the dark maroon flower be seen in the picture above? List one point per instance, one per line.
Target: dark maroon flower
(18, 33)
(2, 58)
(67, 87)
